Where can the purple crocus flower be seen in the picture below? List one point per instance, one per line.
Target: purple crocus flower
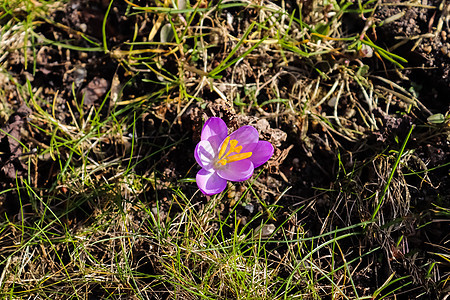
(228, 157)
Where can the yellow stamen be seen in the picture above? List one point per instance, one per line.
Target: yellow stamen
(234, 148)
(233, 144)
(223, 162)
(224, 147)
(239, 156)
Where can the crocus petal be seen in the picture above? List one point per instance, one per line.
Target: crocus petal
(204, 154)
(262, 153)
(209, 182)
(237, 171)
(215, 131)
(247, 137)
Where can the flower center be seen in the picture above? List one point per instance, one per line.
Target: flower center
(225, 158)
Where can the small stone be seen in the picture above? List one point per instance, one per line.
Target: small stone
(427, 49)
(80, 75)
(264, 231)
(250, 208)
(350, 113)
(83, 27)
(332, 102)
(231, 194)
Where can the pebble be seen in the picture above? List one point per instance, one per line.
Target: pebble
(231, 194)
(250, 208)
(157, 213)
(83, 27)
(264, 231)
(350, 113)
(332, 102)
(427, 49)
